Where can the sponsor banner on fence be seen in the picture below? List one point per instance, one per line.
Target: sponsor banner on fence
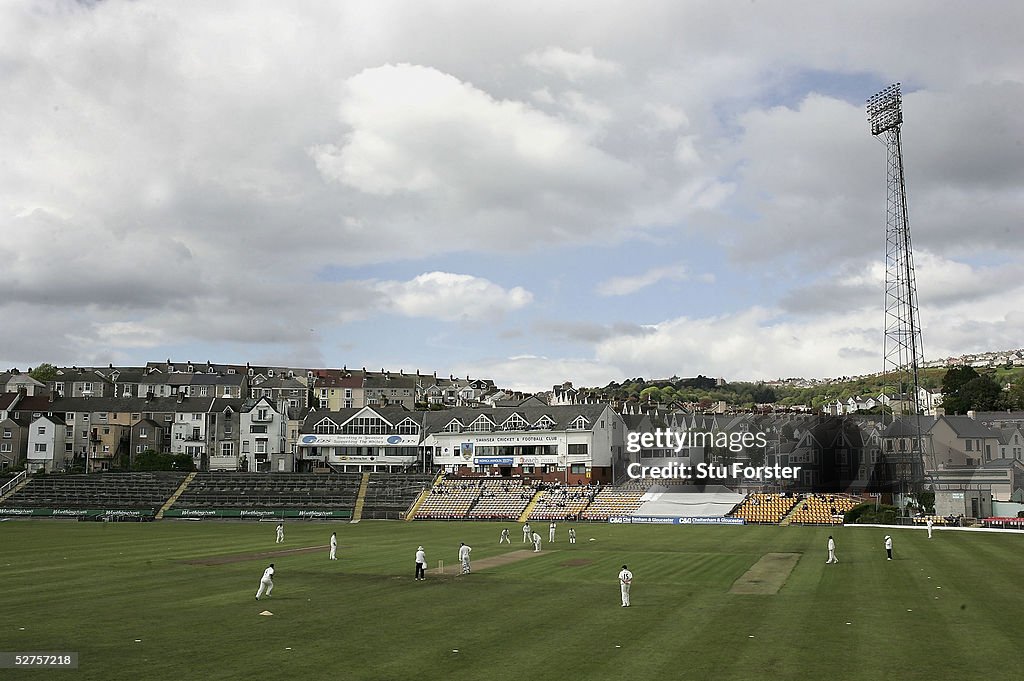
(255, 513)
(76, 512)
(492, 461)
(674, 520)
(712, 520)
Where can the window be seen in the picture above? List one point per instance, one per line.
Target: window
(87, 387)
(326, 427)
(366, 425)
(227, 449)
(8, 434)
(135, 417)
(257, 429)
(69, 431)
(102, 416)
(139, 449)
(261, 414)
(143, 432)
(544, 422)
(261, 446)
(70, 416)
(106, 430)
(408, 427)
(41, 447)
(245, 446)
(42, 430)
(578, 450)
(6, 447)
(578, 423)
(203, 390)
(106, 449)
(481, 425)
(452, 427)
(227, 391)
(970, 445)
(515, 422)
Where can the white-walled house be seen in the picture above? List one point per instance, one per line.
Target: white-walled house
(263, 436)
(46, 436)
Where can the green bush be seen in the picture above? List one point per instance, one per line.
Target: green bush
(866, 513)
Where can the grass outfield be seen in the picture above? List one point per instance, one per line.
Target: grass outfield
(944, 608)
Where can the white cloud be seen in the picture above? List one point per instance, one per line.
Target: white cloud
(533, 373)
(963, 309)
(625, 285)
(451, 297)
(573, 66)
(177, 176)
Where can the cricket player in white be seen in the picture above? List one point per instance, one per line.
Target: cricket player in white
(929, 523)
(831, 551)
(334, 546)
(504, 536)
(266, 582)
(280, 533)
(536, 542)
(464, 558)
(551, 532)
(625, 580)
(527, 533)
(421, 564)
(888, 547)
(572, 535)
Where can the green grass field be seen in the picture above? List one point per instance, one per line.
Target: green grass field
(124, 596)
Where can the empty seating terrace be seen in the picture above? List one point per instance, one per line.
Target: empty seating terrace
(766, 509)
(113, 491)
(823, 509)
(389, 495)
(610, 503)
(271, 490)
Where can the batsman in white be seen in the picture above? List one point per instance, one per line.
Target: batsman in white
(536, 542)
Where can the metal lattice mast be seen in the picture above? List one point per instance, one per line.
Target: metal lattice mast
(902, 345)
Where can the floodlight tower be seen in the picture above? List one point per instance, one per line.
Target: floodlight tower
(902, 346)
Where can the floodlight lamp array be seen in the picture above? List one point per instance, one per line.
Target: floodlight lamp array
(885, 109)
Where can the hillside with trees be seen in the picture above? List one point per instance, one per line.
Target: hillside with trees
(970, 389)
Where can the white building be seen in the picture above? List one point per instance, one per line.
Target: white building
(263, 438)
(370, 439)
(46, 436)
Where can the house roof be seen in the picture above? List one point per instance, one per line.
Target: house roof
(562, 416)
(964, 426)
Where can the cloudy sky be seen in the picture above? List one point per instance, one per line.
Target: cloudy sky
(531, 191)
